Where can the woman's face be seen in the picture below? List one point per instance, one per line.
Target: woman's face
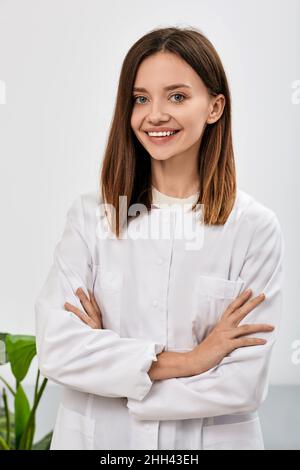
(185, 108)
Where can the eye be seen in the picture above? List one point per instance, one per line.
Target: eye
(178, 94)
(174, 94)
(136, 97)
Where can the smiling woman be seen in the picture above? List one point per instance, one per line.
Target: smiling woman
(177, 83)
(188, 116)
(146, 332)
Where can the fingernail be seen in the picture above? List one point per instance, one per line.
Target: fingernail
(248, 291)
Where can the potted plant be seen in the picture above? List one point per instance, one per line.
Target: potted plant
(17, 429)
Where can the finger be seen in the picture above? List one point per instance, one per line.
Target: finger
(83, 316)
(85, 302)
(243, 341)
(98, 315)
(93, 301)
(241, 312)
(238, 302)
(250, 329)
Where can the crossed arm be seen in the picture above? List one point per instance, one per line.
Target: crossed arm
(238, 381)
(168, 365)
(225, 337)
(65, 344)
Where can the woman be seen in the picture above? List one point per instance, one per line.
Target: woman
(154, 336)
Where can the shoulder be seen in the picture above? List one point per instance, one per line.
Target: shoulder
(86, 201)
(249, 210)
(84, 209)
(258, 221)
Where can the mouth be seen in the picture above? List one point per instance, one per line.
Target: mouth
(162, 139)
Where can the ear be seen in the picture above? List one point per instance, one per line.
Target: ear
(216, 109)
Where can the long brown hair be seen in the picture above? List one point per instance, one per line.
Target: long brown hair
(126, 167)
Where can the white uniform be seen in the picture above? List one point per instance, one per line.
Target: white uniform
(155, 294)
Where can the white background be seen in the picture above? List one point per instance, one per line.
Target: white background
(60, 61)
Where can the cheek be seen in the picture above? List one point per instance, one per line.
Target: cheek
(194, 123)
(197, 114)
(132, 123)
(192, 131)
(137, 115)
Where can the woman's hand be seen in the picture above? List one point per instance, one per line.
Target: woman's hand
(92, 315)
(227, 335)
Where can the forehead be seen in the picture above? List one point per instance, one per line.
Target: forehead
(164, 68)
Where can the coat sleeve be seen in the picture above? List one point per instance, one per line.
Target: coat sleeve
(69, 352)
(239, 383)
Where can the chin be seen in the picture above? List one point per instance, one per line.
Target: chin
(160, 157)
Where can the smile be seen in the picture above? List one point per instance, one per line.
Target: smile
(161, 139)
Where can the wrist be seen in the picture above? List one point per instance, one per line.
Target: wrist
(196, 362)
(191, 365)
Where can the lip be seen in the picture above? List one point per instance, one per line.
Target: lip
(162, 140)
(161, 129)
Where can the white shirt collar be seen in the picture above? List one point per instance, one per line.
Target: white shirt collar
(161, 200)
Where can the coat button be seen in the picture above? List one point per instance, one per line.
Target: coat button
(155, 303)
(159, 261)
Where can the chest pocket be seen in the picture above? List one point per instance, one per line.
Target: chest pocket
(108, 286)
(211, 298)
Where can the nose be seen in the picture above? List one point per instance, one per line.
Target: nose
(157, 114)
(157, 111)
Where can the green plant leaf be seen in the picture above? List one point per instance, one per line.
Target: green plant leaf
(22, 411)
(44, 443)
(3, 352)
(28, 434)
(21, 349)
(3, 444)
(3, 426)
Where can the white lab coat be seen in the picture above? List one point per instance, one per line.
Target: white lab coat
(157, 294)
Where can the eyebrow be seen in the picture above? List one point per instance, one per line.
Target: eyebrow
(169, 87)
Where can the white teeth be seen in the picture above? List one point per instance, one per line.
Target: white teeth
(160, 134)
